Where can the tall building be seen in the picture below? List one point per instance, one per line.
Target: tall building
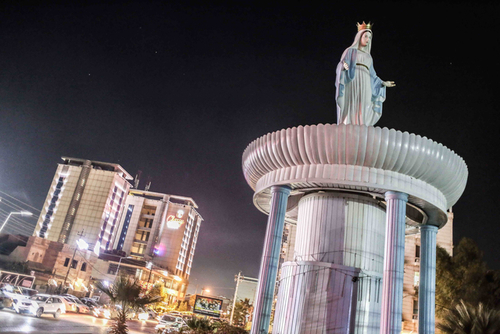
(146, 235)
(85, 200)
(160, 227)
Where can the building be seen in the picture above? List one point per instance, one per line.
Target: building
(51, 262)
(160, 228)
(85, 200)
(145, 235)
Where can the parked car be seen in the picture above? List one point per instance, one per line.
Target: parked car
(73, 304)
(95, 309)
(175, 328)
(152, 313)
(80, 306)
(140, 314)
(169, 321)
(41, 304)
(12, 296)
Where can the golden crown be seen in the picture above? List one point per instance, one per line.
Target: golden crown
(364, 26)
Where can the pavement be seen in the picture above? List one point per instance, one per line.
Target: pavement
(69, 323)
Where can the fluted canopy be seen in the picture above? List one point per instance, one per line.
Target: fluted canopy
(362, 158)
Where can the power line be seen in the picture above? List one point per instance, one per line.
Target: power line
(20, 201)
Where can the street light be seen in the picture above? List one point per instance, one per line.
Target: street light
(118, 269)
(203, 291)
(82, 245)
(21, 213)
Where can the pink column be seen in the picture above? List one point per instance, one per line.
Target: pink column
(270, 260)
(394, 254)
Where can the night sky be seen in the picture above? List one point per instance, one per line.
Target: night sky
(178, 91)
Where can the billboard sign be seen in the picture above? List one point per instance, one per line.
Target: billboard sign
(208, 306)
(175, 219)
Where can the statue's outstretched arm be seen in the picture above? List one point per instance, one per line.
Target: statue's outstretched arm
(389, 83)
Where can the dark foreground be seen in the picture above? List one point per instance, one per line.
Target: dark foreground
(70, 323)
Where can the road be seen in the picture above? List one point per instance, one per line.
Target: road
(70, 323)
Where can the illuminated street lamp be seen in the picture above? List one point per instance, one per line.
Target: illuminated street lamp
(82, 245)
(21, 213)
(203, 291)
(118, 269)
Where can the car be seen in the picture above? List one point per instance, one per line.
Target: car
(175, 328)
(80, 306)
(73, 304)
(12, 296)
(41, 304)
(95, 309)
(140, 314)
(152, 313)
(169, 321)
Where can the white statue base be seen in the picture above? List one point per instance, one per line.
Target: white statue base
(342, 177)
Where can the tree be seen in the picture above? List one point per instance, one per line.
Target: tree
(465, 318)
(465, 277)
(126, 292)
(241, 311)
(203, 326)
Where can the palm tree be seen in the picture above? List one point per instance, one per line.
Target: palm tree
(471, 319)
(127, 293)
(241, 311)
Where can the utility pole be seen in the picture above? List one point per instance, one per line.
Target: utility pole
(237, 278)
(70, 264)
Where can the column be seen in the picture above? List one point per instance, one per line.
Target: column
(394, 254)
(270, 260)
(427, 287)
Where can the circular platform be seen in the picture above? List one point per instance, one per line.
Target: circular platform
(358, 159)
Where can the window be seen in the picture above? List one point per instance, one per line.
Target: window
(84, 266)
(417, 251)
(74, 264)
(66, 262)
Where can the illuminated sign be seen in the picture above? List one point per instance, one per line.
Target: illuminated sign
(174, 222)
(208, 306)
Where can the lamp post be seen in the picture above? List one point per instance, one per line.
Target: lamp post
(21, 213)
(118, 268)
(203, 291)
(81, 244)
(149, 265)
(237, 279)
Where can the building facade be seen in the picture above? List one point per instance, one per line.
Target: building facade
(85, 200)
(145, 235)
(51, 262)
(160, 228)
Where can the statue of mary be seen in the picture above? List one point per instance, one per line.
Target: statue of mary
(360, 93)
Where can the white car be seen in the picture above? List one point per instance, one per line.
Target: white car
(42, 304)
(12, 296)
(141, 314)
(169, 321)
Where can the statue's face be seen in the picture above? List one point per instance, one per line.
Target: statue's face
(365, 39)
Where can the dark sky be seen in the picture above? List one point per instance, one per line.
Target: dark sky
(178, 91)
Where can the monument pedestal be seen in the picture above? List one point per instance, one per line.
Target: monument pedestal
(354, 189)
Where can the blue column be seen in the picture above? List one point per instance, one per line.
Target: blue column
(427, 287)
(394, 256)
(270, 260)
